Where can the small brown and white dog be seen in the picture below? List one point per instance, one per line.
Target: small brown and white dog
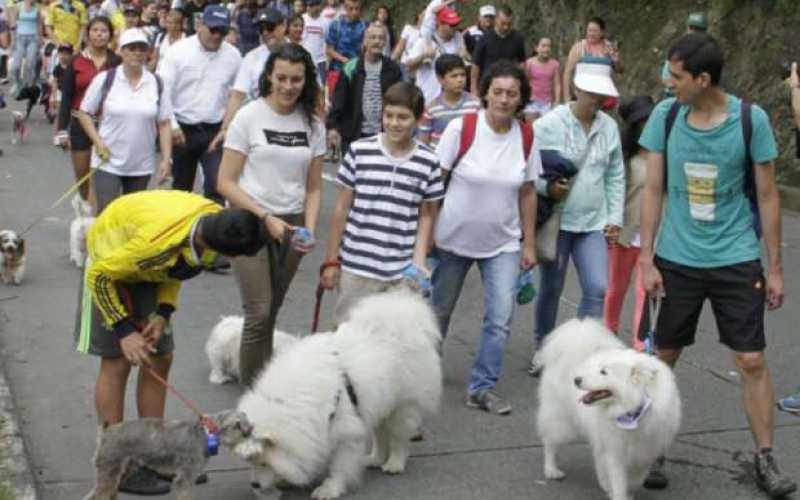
(12, 257)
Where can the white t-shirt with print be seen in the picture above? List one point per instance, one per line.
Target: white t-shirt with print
(279, 150)
(128, 123)
(492, 171)
(314, 33)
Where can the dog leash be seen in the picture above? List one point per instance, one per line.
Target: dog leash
(210, 426)
(654, 306)
(59, 201)
(321, 292)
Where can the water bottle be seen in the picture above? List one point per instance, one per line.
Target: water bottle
(420, 280)
(212, 442)
(302, 237)
(525, 287)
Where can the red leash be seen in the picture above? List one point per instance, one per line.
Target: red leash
(321, 292)
(207, 422)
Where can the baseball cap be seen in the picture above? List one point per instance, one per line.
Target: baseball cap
(593, 74)
(216, 16)
(65, 47)
(270, 17)
(487, 10)
(312, 3)
(448, 16)
(697, 20)
(131, 36)
(130, 8)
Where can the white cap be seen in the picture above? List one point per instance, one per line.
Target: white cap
(133, 35)
(593, 74)
(487, 10)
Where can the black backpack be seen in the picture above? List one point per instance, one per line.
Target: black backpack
(749, 173)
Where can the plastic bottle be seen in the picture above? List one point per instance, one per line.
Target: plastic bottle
(415, 274)
(525, 288)
(212, 441)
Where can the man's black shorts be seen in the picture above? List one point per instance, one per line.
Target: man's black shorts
(737, 294)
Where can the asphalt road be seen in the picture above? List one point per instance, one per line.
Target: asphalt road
(467, 454)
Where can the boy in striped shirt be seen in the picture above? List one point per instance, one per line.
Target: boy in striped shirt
(389, 189)
(453, 102)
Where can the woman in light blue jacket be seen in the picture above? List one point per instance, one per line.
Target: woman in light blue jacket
(591, 208)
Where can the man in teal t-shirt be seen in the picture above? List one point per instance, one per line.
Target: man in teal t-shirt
(707, 246)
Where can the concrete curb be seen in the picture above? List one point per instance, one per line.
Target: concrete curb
(790, 198)
(14, 464)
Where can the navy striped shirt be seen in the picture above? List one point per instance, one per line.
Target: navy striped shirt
(381, 227)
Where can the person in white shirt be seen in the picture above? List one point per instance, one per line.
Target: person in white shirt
(271, 25)
(438, 35)
(408, 37)
(314, 37)
(132, 110)
(272, 166)
(198, 74)
(169, 37)
(500, 238)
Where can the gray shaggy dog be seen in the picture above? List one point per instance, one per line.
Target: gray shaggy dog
(176, 447)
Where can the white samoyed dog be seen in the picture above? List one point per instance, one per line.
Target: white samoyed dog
(320, 402)
(624, 403)
(222, 348)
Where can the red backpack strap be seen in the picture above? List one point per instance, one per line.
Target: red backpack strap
(468, 127)
(527, 138)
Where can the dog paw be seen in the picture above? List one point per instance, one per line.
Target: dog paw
(554, 473)
(328, 489)
(219, 378)
(394, 467)
(248, 449)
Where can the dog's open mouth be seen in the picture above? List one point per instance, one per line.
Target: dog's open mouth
(592, 397)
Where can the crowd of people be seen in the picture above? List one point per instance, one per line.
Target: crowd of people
(259, 93)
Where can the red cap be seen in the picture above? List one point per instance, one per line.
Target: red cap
(448, 16)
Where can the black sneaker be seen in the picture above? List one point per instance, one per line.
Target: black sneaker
(144, 482)
(656, 479)
(769, 478)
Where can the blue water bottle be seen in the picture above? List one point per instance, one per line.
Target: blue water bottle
(415, 274)
(212, 442)
(525, 287)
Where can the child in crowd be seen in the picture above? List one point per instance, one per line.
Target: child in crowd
(543, 73)
(389, 191)
(453, 102)
(64, 57)
(295, 30)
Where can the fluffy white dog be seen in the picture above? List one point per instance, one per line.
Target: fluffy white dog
(222, 348)
(624, 403)
(318, 403)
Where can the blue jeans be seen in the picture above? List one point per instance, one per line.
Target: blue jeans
(499, 276)
(589, 252)
(25, 47)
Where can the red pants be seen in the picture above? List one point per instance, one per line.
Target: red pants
(621, 261)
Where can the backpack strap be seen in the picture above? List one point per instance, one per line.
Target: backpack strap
(468, 128)
(527, 138)
(105, 89)
(160, 86)
(747, 132)
(672, 115)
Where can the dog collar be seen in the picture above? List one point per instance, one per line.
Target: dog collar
(630, 421)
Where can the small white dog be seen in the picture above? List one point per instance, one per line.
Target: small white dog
(624, 403)
(78, 229)
(222, 348)
(12, 257)
(318, 403)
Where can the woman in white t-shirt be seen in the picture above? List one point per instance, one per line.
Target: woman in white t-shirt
(499, 235)
(272, 166)
(132, 111)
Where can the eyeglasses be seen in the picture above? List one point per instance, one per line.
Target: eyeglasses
(219, 31)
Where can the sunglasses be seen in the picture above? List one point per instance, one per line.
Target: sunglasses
(219, 31)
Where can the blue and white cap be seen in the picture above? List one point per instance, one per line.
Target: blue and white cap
(593, 74)
(217, 16)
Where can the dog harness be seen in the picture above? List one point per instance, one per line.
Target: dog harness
(630, 421)
(349, 389)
